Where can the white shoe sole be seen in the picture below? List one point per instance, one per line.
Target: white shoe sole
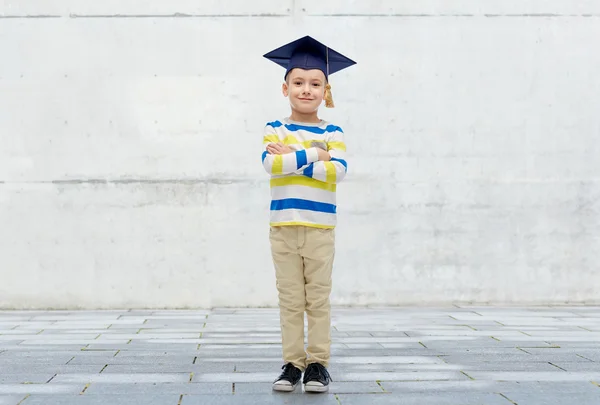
(316, 388)
(284, 387)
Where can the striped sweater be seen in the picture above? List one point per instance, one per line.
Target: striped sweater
(302, 187)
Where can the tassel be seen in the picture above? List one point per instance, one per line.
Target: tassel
(328, 96)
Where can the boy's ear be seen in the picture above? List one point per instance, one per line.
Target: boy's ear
(284, 89)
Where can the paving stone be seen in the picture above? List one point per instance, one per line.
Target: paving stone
(27, 378)
(370, 346)
(264, 367)
(102, 400)
(545, 388)
(401, 376)
(554, 398)
(569, 353)
(49, 369)
(122, 378)
(558, 375)
(261, 399)
(40, 389)
(62, 342)
(145, 346)
(41, 360)
(448, 398)
(118, 332)
(399, 387)
(579, 366)
(9, 344)
(235, 377)
(171, 368)
(479, 358)
(46, 348)
(507, 366)
(159, 388)
(10, 399)
(390, 368)
(135, 360)
(387, 359)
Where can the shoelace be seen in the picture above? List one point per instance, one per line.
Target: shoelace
(287, 368)
(318, 371)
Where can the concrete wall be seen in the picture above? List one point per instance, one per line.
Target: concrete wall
(130, 136)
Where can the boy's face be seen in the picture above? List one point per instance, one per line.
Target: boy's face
(305, 89)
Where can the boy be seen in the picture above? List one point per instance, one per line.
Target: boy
(305, 157)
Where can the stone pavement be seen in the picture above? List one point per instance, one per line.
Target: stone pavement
(438, 356)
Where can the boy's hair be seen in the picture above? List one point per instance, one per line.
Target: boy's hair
(287, 77)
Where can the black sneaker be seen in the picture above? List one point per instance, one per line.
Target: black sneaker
(289, 378)
(316, 378)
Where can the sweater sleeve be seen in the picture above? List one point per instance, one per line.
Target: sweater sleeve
(287, 163)
(334, 171)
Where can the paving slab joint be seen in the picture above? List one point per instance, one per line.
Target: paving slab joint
(507, 398)
(85, 388)
(552, 364)
(21, 401)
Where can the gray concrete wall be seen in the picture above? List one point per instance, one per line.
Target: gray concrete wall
(130, 136)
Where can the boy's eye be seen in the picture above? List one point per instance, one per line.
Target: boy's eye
(297, 83)
(317, 84)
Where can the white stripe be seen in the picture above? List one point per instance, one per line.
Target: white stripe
(304, 193)
(319, 173)
(294, 215)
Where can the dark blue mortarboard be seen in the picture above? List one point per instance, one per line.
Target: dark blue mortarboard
(308, 53)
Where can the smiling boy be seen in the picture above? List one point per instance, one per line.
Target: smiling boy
(305, 157)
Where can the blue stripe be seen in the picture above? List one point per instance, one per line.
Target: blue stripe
(291, 203)
(264, 155)
(301, 159)
(342, 161)
(308, 171)
(314, 130)
(275, 124)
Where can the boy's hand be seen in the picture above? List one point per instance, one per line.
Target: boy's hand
(323, 155)
(278, 149)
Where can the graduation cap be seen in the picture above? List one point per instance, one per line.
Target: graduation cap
(308, 53)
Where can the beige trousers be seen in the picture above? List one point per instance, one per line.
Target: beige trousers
(303, 259)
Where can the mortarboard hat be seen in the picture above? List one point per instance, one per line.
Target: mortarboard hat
(308, 53)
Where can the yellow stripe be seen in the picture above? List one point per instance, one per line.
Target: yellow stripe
(336, 145)
(271, 138)
(330, 172)
(302, 181)
(301, 224)
(292, 140)
(277, 165)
